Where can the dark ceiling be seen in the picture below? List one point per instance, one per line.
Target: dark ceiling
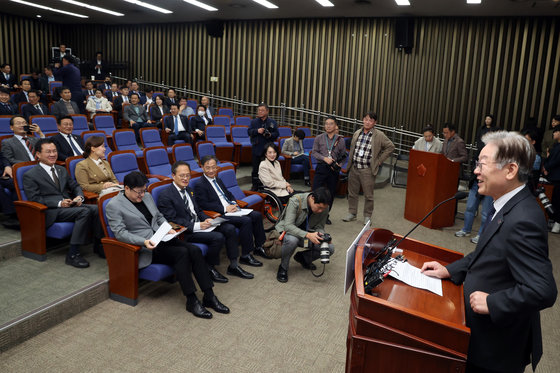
(247, 9)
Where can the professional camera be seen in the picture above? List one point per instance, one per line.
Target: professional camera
(266, 132)
(545, 201)
(325, 252)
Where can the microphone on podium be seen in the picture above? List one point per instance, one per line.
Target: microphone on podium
(378, 269)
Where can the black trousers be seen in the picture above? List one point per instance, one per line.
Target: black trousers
(186, 259)
(256, 159)
(556, 201)
(232, 242)
(86, 222)
(8, 197)
(214, 240)
(325, 177)
(183, 135)
(251, 230)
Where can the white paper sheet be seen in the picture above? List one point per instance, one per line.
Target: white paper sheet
(240, 212)
(160, 233)
(217, 221)
(210, 229)
(412, 276)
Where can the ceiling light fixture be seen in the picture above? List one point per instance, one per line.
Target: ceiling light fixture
(149, 6)
(92, 7)
(402, 2)
(266, 4)
(49, 8)
(201, 5)
(325, 3)
(474, 1)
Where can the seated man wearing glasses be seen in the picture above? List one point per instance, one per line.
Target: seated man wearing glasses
(134, 218)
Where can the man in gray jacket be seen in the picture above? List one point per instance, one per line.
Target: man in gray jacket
(303, 221)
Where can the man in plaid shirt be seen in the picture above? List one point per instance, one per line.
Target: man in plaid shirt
(368, 149)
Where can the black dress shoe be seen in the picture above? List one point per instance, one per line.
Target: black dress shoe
(239, 272)
(329, 222)
(77, 261)
(250, 260)
(217, 276)
(198, 310)
(299, 258)
(98, 249)
(215, 304)
(307, 183)
(282, 274)
(11, 223)
(260, 252)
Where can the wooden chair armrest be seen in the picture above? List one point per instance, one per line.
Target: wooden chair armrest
(113, 242)
(30, 205)
(159, 177)
(242, 204)
(286, 156)
(212, 214)
(250, 192)
(90, 197)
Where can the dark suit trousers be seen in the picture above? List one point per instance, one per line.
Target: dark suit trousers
(256, 159)
(183, 135)
(7, 198)
(250, 226)
(214, 240)
(324, 176)
(231, 240)
(83, 217)
(186, 259)
(136, 127)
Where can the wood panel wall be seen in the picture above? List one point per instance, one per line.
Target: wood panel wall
(459, 69)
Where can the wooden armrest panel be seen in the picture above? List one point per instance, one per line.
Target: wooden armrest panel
(212, 214)
(242, 204)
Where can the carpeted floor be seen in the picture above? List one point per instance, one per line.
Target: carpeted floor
(299, 326)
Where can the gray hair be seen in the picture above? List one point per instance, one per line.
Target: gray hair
(512, 148)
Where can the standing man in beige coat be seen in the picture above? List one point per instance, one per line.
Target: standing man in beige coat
(368, 149)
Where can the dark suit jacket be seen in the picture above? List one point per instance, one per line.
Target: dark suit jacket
(19, 97)
(44, 83)
(14, 150)
(511, 264)
(156, 114)
(39, 187)
(109, 96)
(70, 77)
(118, 103)
(86, 92)
(197, 123)
(9, 109)
(11, 80)
(29, 110)
(258, 140)
(170, 123)
(59, 109)
(552, 164)
(207, 198)
(63, 148)
(171, 205)
(455, 149)
(168, 102)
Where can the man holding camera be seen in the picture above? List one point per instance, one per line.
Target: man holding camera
(20, 147)
(303, 222)
(263, 130)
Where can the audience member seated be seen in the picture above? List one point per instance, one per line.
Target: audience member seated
(45, 79)
(50, 184)
(20, 147)
(7, 79)
(90, 90)
(136, 115)
(121, 99)
(106, 84)
(134, 218)
(149, 98)
(551, 170)
(113, 94)
(158, 110)
(7, 198)
(134, 88)
(185, 109)
(65, 106)
(98, 104)
(94, 173)
(23, 95)
(67, 144)
(35, 80)
(34, 107)
(212, 195)
(177, 126)
(171, 97)
(294, 148)
(178, 204)
(453, 146)
(6, 106)
(270, 174)
(428, 142)
(199, 122)
(303, 219)
(210, 110)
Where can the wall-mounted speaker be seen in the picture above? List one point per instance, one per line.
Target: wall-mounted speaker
(215, 29)
(404, 34)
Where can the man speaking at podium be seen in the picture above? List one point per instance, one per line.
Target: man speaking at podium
(508, 278)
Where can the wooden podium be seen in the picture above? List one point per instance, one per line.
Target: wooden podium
(402, 328)
(432, 178)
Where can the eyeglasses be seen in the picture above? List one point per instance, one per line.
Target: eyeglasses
(479, 164)
(184, 176)
(143, 191)
(210, 168)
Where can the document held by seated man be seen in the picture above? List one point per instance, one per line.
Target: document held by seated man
(412, 276)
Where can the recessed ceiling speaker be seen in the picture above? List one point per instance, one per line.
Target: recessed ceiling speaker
(404, 34)
(215, 29)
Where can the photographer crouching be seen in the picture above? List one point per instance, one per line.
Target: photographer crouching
(303, 222)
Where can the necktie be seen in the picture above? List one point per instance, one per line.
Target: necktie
(38, 107)
(222, 192)
(29, 147)
(176, 126)
(186, 200)
(55, 178)
(489, 216)
(74, 148)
